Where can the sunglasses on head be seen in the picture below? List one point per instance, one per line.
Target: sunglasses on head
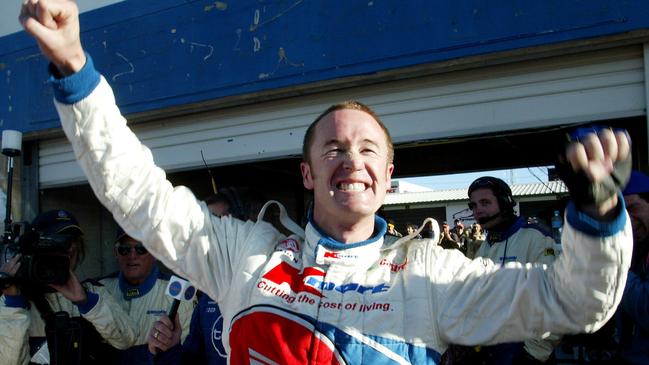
(126, 249)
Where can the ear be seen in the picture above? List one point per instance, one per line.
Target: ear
(307, 177)
(388, 176)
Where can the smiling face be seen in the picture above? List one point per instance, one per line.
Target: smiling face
(348, 172)
(638, 210)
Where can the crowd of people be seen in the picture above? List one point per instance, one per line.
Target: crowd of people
(343, 289)
(466, 240)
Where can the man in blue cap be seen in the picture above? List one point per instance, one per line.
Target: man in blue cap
(633, 313)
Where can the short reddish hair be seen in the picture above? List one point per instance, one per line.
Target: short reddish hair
(353, 105)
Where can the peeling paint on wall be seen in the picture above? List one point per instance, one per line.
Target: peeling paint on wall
(130, 64)
(282, 59)
(256, 24)
(218, 5)
(288, 43)
(210, 49)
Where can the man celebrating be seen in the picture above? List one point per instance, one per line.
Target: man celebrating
(333, 293)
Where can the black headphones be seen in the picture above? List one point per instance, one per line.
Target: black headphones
(501, 190)
(234, 199)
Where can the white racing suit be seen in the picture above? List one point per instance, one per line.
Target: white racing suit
(145, 304)
(21, 323)
(523, 242)
(309, 299)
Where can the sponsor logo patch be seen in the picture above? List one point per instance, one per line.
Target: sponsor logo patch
(311, 280)
(290, 244)
(394, 267)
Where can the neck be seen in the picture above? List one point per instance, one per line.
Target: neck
(346, 232)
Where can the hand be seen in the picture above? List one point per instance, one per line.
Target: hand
(597, 155)
(164, 335)
(11, 268)
(72, 289)
(55, 26)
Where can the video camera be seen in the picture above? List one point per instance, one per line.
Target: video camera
(44, 258)
(44, 247)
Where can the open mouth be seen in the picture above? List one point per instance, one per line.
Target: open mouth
(351, 187)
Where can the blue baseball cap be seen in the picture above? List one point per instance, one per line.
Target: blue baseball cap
(56, 221)
(638, 183)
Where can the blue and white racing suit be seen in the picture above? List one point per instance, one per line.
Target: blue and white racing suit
(203, 344)
(144, 304)
(306, 298)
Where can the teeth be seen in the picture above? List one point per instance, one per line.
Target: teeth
(351, 187)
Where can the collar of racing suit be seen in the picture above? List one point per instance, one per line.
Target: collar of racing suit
(505, 230)
(328, 251)
(135, 291)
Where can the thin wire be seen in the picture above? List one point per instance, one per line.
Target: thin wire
(209, 172)
(540, 180)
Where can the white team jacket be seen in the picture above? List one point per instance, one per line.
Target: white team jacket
(524, 243)
(19, 323)
(289, 299)
(146, 303)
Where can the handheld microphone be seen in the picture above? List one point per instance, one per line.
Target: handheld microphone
(181, 290)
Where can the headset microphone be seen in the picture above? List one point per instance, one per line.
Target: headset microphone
(485, 220)
(180, 290)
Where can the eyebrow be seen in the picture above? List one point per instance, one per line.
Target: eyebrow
(338, 142)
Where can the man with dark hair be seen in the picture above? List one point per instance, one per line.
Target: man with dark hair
(633, 313)
(448, 240)
(510, 239)
(65, 320)
(334, 292)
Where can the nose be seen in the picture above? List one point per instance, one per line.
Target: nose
(352, 161)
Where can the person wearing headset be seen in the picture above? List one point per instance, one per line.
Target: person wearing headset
(334, 292)
(510, 239)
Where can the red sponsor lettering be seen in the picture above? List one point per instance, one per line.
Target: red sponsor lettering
(285, 273)
(290, 245)
(393, 266)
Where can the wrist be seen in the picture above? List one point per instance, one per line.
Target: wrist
(6, 287)
(72, 65)
(605, 211)
(82, 299)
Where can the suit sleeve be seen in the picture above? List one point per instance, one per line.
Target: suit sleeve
(635, 301)
(14, 336)
(174, 226)
(112, 323)
(579, 292)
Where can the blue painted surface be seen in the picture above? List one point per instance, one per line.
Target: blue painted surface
(159, 54)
